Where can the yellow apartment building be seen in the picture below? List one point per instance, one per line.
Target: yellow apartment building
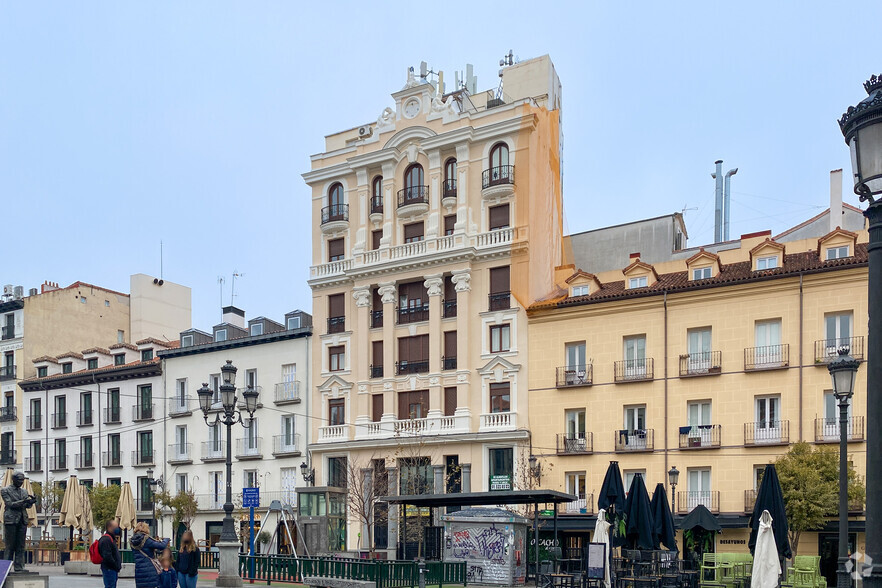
(424, 260)
(715, 364)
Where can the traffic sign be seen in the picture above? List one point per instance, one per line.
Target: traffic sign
(251, 497)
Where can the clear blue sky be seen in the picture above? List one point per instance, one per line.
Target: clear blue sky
(126, 123)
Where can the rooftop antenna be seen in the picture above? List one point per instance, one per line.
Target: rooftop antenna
(160, 259)
(236, 274)
(504, 62)
(685, 210)
(220, 281)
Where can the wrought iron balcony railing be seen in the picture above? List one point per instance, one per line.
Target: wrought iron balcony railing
(700, 437)
(8, 457)
(411, 367)
(448, 189)
(8, 413)
(112, 415)
(495, 176)
(827, 349)
(179, 453)
(7, 372)
(85, 461)
(179, 405)
(570, 376)
(413, 195)
(335, 212)
(377, 205)
(575, 443)
(143, 412)
(35, 422)
(686, 501)
(33, 464)
(111, 459)
(249, 448)
(58, 463)
(413, 314)
(376, 319)
(336, 324)
(499, 301)
(827, 430)
(769, 357)
(84, 418)
(376, 371)
(448, 308)
(767, 433)
(143, 457)
(286, 444)
(287, 392)
(59, 420)
(632, 441)
(634, 370)
(448, 363)
(702, 363)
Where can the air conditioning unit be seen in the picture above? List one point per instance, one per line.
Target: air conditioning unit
(18, 292)
(365, 131)
(8, 289)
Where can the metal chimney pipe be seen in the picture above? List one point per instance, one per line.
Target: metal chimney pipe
(726, 203)
(718, 202)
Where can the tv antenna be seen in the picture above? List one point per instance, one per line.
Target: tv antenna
(160, 259)
(236, 274)
(220, 281)
(685, 210)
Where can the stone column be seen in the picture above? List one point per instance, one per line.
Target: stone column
(465, 470)
(462, 186)
(387, 295)
(361, 357)
(462, 285)
(390, 203)
(393, 510)
(434, 287)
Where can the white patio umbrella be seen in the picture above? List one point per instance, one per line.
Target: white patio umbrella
(601, 535)
(766, 567)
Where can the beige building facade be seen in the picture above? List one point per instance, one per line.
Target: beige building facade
(423, 263)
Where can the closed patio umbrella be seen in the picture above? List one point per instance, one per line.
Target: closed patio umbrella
(700, 518)
(86, 521)
(125, 510)
(601, 535)
(663, 531)
(770, 497)
(612, 500)
(68, 516)
(639, 522)
(766, 565)
(32, 510)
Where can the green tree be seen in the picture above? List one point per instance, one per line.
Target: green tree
(104, 502)
(183, 506)
(810, 483)
(49, 502)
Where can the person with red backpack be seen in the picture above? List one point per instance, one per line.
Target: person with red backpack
(105, 552)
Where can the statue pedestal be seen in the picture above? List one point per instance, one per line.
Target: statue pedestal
(228, 564)
(14, 580)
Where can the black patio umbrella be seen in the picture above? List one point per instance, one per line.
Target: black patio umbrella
(663, 530)
(639, 522)
(612, 499)
(701, 518)
(770, 497)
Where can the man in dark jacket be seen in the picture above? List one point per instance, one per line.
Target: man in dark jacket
(112, 562)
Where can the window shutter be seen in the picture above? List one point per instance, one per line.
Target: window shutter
(449, 400)
(336, 305)
(413, 231)
(449, 343)
(413, 291)
(449, 222)
(403, 401)
(377, 407)
(499, 217)
(403, 349)
(335, 248)
(499, 280)
(377, 353)
(375, 238)
(422, 347)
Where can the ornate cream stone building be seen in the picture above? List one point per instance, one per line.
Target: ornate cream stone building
(424, 259)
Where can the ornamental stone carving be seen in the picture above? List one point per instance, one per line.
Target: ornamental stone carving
(362, 296)
(387, 293)
(434, 285)
(386, 118)
(462, 280)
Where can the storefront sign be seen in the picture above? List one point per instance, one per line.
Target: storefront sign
(500, 483)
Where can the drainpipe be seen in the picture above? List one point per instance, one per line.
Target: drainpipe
(800, 355)
(665, 307)
(98, 395)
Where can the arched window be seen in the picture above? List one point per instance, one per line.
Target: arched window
(335, 195)
(500, 171)
(413, 176)
(377, 195)
(337, 209)
(449, 188)
(450, 169)
(499, 155)
(414, 190)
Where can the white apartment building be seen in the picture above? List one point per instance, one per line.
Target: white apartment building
(270, 356)
(96, 414)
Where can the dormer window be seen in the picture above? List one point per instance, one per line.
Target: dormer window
(42, 371)
(146, 355)
(256, 329)
(580, 291)
(187, 341)
(637, 282)
(220, 335)
(837, 252)
(119, 359)
(293, 322)
(766, 263)
(92, 363)
(701, 273)
(67, 368)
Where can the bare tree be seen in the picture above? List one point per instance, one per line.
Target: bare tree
(367, 483)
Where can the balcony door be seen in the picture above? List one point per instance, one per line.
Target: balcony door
(699, 415)
(837, 331)
(218, 491)
(699, 488)
(768, 343)
(767, 428)
(830, 425)
(635, 356)
(289, 379)
(575, 368)
(575, 439)
(699, 346)
(181, 441)
(288, 440)
(250, 440)
(576, 487)
(635, 426)
(215, 439)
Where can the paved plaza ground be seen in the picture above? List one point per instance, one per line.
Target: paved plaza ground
(58, 579)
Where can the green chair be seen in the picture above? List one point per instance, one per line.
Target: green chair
(805, 573)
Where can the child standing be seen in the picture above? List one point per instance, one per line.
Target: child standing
(168, 578)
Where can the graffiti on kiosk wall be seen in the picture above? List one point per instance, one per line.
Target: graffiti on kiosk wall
(485, 550)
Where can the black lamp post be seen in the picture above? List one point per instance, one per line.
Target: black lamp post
(308, 473)
(535, 469)
(861, 126)
(228, 545)
(842, 371)
(673, 478)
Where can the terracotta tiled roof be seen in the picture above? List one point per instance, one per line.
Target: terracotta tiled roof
(70, 354)
(150, 340)
(107, 368)
(580, 274)
(702, 253)
(123, 346)
(46, 358)
(730, 274)
(770, 243)
(96, 350)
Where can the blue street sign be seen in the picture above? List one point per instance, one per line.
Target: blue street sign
(250, 497)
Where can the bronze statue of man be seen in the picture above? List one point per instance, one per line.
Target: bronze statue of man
(15, 520)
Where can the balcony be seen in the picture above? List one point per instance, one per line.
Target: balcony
(448, 193)
(498, 182)
(700, 437)
(376, 371)
(413, 314)
(8, 457)
(634, 441)
(401, 427)
(180, 453)
(634, 370)
(572, 376)
(827, 430)
(413, 201)
(249, 448)
(333, 433)
(286, 445)
(111, 459)
(498, 421)
(703, 363)
(582, 505)
(59, 420)
(143, 457)
(112, 415)
(749, 501)
(7, 372)
(575, 443)
(686, 501)
(33, 464)
(143, 412)
(767, 433)
(376, 319)
(376, 214)
(287, 392)
(7, 332)
(179, 406)
(336, 324)
(827, 349)
(411, 367)
(35, 422)
(499, 301)
(214, 450)
(448, 363)
(770, 357)
(85, 461)
(58, 463)
(448, 308)
(8, 413)
(145, 505)
(84, 418)
(335, 218)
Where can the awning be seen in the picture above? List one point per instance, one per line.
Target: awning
(482, 498)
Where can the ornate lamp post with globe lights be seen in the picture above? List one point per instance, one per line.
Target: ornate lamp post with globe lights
(861, 126)
(228, 546)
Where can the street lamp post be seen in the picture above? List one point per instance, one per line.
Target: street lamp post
(308, 473)
(673, 478)
(842, 371)
(228, 546)
(861, 126)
